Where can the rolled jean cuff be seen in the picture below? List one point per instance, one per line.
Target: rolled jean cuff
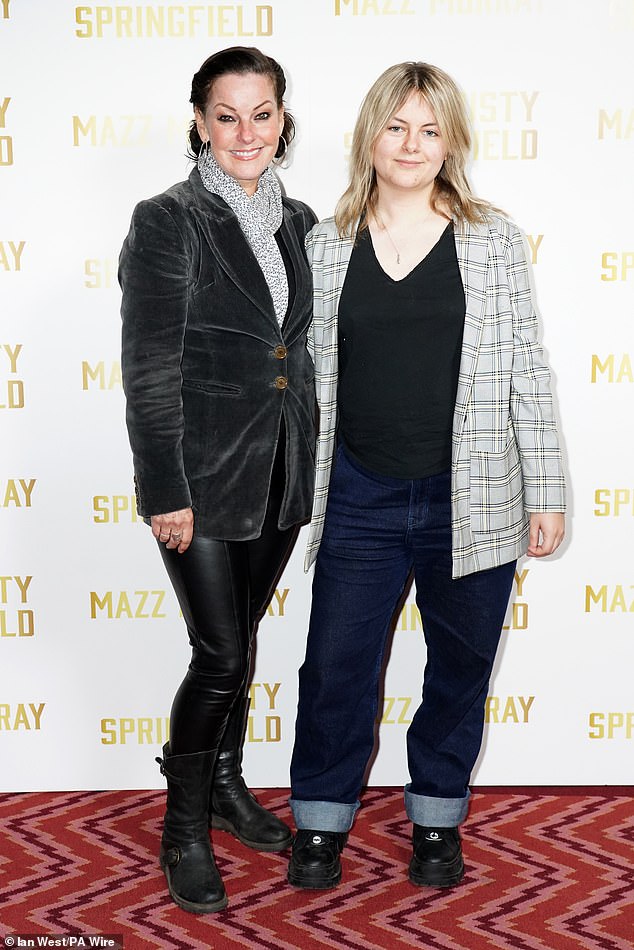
(436, 812)
(323, 816)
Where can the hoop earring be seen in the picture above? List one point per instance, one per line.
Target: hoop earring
(280, 158)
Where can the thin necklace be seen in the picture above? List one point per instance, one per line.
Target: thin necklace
(384, 227)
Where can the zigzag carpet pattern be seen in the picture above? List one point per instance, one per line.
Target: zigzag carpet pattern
(545, 871)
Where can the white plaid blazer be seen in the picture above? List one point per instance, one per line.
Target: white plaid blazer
(505, 453)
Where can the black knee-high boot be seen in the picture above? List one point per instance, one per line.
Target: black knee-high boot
(193, 879)
(232, 806)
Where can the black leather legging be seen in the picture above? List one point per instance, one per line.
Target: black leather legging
(223, 588)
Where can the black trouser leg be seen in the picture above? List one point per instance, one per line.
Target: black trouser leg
(211, 582)
(223, 588)
(233, 807)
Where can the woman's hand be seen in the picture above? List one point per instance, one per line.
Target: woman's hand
(548, 524)
(175, 528)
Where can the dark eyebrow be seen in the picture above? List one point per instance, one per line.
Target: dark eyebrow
(223, 105)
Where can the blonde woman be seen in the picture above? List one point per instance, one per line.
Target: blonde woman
(437, 455)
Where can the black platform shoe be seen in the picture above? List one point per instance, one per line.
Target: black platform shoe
(315, 862)
(437, 859)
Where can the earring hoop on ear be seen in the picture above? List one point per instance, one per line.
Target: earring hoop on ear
(280, 158)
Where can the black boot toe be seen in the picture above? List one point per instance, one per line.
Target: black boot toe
(193, 879)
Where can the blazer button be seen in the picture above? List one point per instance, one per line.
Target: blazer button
(280, 352)
(281, 382)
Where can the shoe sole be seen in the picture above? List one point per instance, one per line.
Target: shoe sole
(317, 884)
(221, 824)
(438, 877)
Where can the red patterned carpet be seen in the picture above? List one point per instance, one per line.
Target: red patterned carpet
(545, 871)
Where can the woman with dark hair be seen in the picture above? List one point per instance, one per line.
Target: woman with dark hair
(437, 455)
(220, 414)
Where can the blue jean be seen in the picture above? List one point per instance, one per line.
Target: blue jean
(377, 530)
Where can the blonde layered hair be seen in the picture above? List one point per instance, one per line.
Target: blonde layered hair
(452, 192)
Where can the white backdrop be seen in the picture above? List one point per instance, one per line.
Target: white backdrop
(93, 111)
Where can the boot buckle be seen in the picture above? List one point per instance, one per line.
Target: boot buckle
(171, 856)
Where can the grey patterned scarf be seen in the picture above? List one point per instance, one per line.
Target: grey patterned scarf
(260, 217)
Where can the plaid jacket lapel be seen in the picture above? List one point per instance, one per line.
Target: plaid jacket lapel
(472, 250)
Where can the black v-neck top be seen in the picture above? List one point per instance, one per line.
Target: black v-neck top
(399, 356)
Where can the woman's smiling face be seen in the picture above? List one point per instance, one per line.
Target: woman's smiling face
(243, 124)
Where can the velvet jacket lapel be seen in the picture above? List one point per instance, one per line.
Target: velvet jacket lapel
(222, 231)
(291, 228)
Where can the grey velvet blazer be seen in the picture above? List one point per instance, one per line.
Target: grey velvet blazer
(207, 372)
